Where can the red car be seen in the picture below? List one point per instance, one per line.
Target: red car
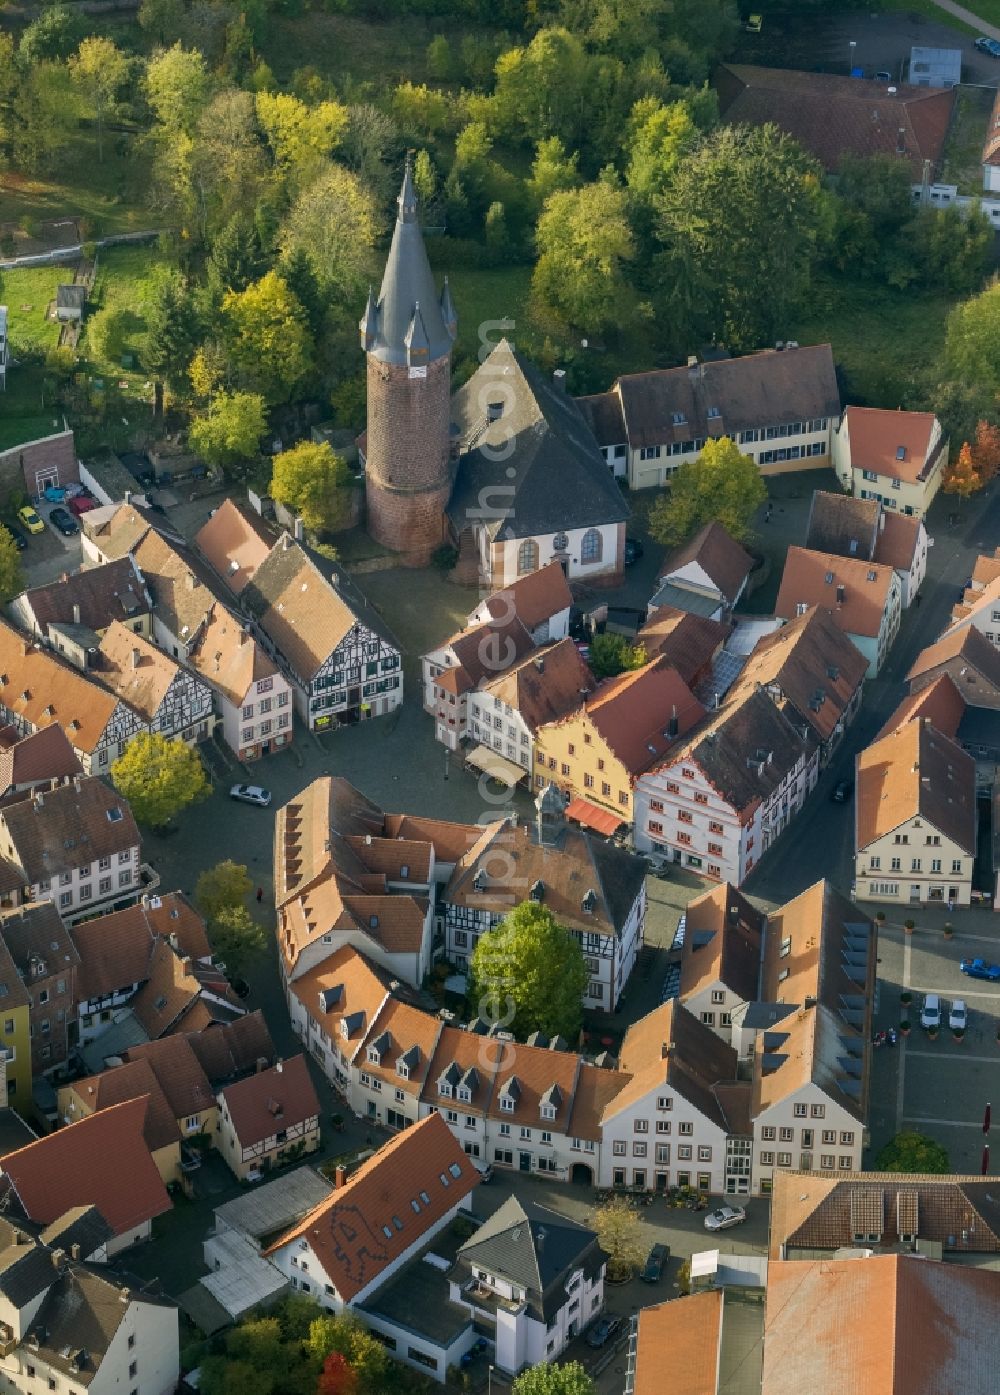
(82, 504)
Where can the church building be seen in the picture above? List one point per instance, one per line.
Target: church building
(507, 469)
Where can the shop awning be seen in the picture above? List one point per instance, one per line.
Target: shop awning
(496, 766)
(600, 820)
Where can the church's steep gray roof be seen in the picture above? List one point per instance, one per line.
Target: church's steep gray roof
(409, 323)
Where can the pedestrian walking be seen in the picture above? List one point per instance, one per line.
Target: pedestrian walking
(260, 895)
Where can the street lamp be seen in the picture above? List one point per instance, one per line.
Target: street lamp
(489, 1382)
(852, 44)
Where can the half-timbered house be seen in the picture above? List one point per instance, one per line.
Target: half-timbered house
(172, 700)
(268, 1118)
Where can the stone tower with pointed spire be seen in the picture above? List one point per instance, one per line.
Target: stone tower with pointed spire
(407, 335)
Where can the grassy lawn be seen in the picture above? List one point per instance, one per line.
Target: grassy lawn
(930, 10)
(343, 48)
(27, 292)
(963, 149)
(885, 340)
(112, 196)
(126, 279)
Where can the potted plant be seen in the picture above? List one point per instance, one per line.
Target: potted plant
(932, 1033)
(904, 1028)
(958, 1033)
(908, 926)
(906, 997)
(948, 930)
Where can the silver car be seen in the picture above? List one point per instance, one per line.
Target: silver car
(725, 1218)
(251, 794)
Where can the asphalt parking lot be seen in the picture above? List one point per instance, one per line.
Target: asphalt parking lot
(937, 1087)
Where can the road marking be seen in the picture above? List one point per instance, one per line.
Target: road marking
(961, 993)
(947, 1055)
(947, 1123)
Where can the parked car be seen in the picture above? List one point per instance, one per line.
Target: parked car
(19, 536)
(652, 1270)
(81, 504)
(30, 519)
(958, 1018)
(602, 1329)
(841, 791)
(64, 521)
(725, 1218)
(755, 23)
(978, 968)
(633, 551)
(883, 76)
(251, 794)
(486, 1173)
(990, 46)
(930, 1013)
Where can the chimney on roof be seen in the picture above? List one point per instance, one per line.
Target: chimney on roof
(136, 656)
(841, 594)
(76, 783)
(59, 1260)
(74, 1251)
(186, 964)
(901, 141)
(340, 1176)
(540, 664)
(76, 612)
(261, 1064)
(190, 581)
(279, 1066)
(665, 1049)
(810, 1001)
(672, 725)
(39, 799)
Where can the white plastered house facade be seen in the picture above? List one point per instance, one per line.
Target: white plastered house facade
(584, 553)
(496, 724)
(679, 814)
(914, 864)
(661, 1140)
(805, 1130)
(547, 631)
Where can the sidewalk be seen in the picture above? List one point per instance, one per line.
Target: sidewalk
(967, 17)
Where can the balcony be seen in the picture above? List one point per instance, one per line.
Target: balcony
(484, 1298)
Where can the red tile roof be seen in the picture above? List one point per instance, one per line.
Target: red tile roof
(533, 598)
(273, 1099)
(720, 556)
(101, 1161)
(940, 702)
(633, 711)
(380, 1213)
(877, 435)
(818, 578)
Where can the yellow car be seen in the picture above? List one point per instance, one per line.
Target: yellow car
(755, 24)
(30, 519)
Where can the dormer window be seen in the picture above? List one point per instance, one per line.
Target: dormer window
(444, 1089)
(548, 1112)
(404, 872)
(465, 1094)
(403, 1070)
(900, 452)
(373, 1055)
(507, 1104)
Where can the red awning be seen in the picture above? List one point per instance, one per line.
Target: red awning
(600, 820)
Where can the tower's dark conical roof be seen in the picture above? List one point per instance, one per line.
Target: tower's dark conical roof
(408, 325)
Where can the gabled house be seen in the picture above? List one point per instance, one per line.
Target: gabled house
(38, 690)
(812, 1056)
(456, 668)
(70, 612)
(540, 600)
(252, 695)
(338, 655)
(35, 759)
(356, 1239)
(720, 957)
(597, 753)
(691, 643)
(531, 485)
(135, 1080)
(391, 1067)
(71, 1168)
(813, 672)
(670, 1123)
(46, 961)
(691, 1329)
(70, 1325)
(707, 575)
(915, 818)
(268, 1118)
(505, 712)
(969, 660)
(171, 700)
(850, 526)
(332, 1007)
(235, 542)
(182, 588)
(728, 791)
(76, 845)
(538, 1276)
(863, 598)
(595, 890)
(779, 406)
(979, 608)
(16, 1071)
(896, 458)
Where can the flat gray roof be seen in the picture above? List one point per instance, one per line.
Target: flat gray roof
(417, 1298)
(273, 1206)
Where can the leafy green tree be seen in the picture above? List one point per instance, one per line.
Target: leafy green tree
(425, 179)
(45, 116)
(159, 778)
(439, 59)
(334, 221)
(267, 337)
(176, 87)
(236, 938)
(619, 1234)
(972, 340)
(225, 169)
(611, 654)
(371, 148)
(498, 240)
(421, 112)
(312, 480)
(722, 483)
(229, 432)
(302, 281)
(568, 1378)
(962, 477)
(99, 71)
(236, 257)
(737, 267)
(584, 243)
(367, 1356)
(542, 89)
(301, 137)
(53, 35)
(223, 887)
(552, 170)
(659, 136)
(11, 573)
(533, 967)
(952, 248)
(162, 19)
(172, 330)
(912, 1152)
